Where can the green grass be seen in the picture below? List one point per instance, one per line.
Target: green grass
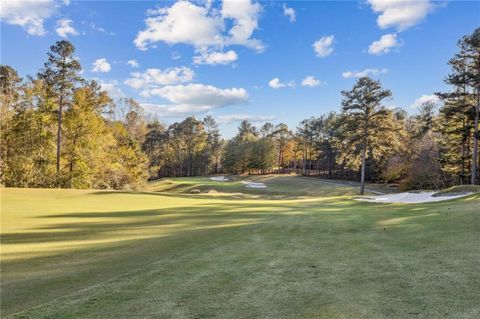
(277, 185)
(268, 254)
(458, 190)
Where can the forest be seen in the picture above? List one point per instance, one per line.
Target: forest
(59, 130)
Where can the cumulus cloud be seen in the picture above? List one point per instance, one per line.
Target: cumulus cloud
(154, 78)
(277, 84)
(324, 46)
(183, 22)
(289, 12)
(133, 63)
(101, 65)
(112, 88)
(310, 81)
(400, 14)
(30, 15)
(64, 28)
(194, 99)
(384, 44)
(234, 118)
(425, 98)
(244, 15)
(366, 72)
(201, 26)
(215, 57)
(201, 95)
(183, 99)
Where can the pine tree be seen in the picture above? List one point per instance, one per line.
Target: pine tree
(462, 105)
(424, 119)
(281, 135)
(214, 144)
(61, 75)
(367, 116)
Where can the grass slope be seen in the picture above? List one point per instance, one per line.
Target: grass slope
(100, 254)
(279, 185)
(459, 190)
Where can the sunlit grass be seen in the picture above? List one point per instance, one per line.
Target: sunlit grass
(104, 254)
(280, 185)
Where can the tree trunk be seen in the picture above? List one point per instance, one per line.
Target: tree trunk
(362, 173)
(475, 141)
(309, 154)
(462, 174)
(59, 137)
(305, 162)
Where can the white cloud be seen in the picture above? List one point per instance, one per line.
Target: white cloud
(310, 81)
(432, 98)
(400, 14)
(112, 89)
(202, 26)
(277, 84)
(64, 28)
(176, 55)
(201, 95)
(289, 12)
(384, 44)
(133, 63)
(30, 15)
(101, 65)
(215, 57)
(183, 22)
(194, 99)
(234, 118)
(366, 72)
(154, 78)
(245, 16)
(174, 110)
(324, 46)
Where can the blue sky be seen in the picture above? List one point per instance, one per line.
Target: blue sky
(241, 59)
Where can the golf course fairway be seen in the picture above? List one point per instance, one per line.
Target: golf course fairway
(299, 248)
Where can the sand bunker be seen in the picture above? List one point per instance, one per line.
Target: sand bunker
(254, 185)
(409, 198)
(219, 178)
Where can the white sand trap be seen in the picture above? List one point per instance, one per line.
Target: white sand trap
(409, 198)
(254, 185)
(219, 178)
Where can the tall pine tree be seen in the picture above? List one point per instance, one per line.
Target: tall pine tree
(362, 105)
(61, 75)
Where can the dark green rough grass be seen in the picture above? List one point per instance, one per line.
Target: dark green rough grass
(211, 256)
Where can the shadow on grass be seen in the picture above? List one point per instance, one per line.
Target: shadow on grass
(184, 234)
(91, 225)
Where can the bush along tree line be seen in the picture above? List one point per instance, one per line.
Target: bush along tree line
(60, 130)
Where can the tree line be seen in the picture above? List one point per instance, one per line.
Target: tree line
(60, 130)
